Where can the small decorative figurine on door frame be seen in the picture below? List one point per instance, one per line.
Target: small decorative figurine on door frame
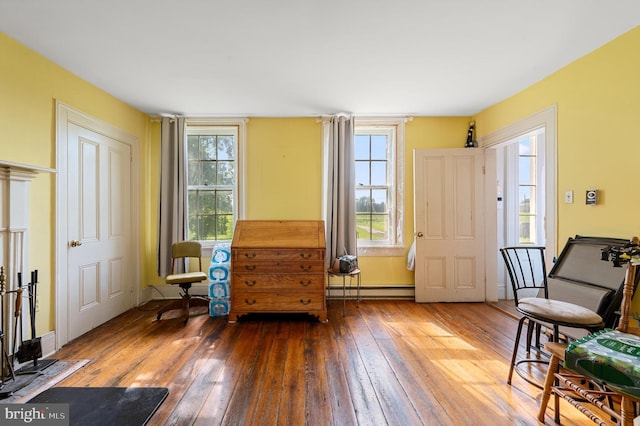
(471, 143)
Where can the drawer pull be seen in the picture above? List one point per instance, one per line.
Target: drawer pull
(249, 267)
(306, 267)
(305, 303)
(305, 283)
(250, 283)
(250, 302)
(306, 255)
(250, 256)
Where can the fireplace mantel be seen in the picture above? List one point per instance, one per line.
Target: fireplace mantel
(14, 216)
(26, 168)
(15, 179)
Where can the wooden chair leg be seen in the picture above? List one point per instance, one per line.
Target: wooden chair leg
(627, 411)
(548, 383)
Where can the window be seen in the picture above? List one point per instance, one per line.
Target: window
(213, 176)
(527, 190)
(379, 184)
(524, 178)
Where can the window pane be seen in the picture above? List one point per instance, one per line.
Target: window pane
(206, 227)
(363, 200)
(193, 173)
(362, 173)
(379, 173)
(378, 147)
(206, 202)
(226, 173)
(525, 146)
(527, 170)
(207, 147)
(363, 226)
(192, 202)
(379, 200)
(193, 147)
(361, 147)
(208, 173)
(225, 147)
(380, 227)
(526, 206)
(527, 225)
(224, 227)
(193, 227)
(224, 202)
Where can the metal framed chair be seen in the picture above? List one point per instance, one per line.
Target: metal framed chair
(528, 276)
(179, 251)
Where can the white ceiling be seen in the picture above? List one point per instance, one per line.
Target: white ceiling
(289, 58)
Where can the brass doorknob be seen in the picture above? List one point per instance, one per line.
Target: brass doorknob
(420, 234)
(75, 243)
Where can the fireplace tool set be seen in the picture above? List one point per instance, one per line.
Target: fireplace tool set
(30, 349)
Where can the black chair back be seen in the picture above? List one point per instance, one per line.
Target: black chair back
(527, 271)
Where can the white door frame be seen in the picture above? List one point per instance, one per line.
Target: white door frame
(65, 115)
(546, 118)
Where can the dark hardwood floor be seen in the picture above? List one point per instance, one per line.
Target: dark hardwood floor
(386, 362)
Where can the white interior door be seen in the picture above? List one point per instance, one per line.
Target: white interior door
(449, 224)
(98, 228)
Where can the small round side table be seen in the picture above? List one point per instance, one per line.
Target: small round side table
(353, 274)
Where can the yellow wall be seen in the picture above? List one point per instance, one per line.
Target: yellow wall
(598, 104)
(284, 168)
(29, 86)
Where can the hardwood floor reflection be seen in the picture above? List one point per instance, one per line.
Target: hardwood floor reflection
(386, 362)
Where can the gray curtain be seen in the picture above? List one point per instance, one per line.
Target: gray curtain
(173, 180)
(341, 204)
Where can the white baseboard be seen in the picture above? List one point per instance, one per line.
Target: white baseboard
(374, 292)
(160, 292)
(48, 342)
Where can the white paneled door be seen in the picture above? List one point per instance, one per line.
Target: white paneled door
(449, 224)
(98, 228)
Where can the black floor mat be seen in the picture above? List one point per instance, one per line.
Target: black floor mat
(105, 406)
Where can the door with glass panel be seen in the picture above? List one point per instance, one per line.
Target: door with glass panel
(523, 191)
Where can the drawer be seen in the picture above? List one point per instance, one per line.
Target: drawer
(278, 266)
(298, 282)
(259, 301)
(277, 254)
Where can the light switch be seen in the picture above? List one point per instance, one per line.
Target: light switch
(568, 197)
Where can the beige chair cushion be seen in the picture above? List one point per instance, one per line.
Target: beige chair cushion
(556, 310)
(188, 277)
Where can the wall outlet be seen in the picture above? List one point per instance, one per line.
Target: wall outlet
(568, 197)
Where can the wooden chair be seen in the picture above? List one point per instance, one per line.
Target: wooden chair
(528, 275)
(584, 392)
(179, 251)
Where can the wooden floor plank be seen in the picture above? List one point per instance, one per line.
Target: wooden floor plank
(383, 363)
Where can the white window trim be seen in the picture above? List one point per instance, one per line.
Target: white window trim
(241, 124)
(546, 118)
(398, 248)
(512, 154)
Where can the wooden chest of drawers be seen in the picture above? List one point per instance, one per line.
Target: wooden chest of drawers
(278, 266)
